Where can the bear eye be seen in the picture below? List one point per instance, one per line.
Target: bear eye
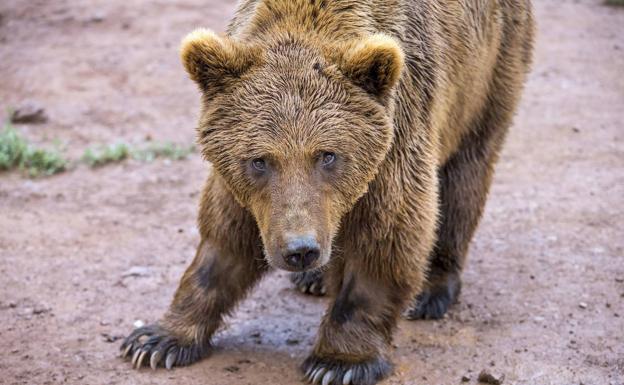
(328, 158)
(259, 164)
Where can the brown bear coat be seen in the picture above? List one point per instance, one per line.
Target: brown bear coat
(372, 128)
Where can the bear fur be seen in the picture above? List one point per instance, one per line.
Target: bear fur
(410, 101)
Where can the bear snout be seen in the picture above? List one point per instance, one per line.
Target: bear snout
(300, 251)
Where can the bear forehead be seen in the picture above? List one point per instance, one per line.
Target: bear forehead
(284, 104)
(284, 123)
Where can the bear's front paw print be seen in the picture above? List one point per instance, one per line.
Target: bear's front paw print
(322, 371)
(160, 348)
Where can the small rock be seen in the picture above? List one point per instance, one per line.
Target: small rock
(110, 338)
(29, 112)
(465, 378)
(138, 324)
(255, 335)
(40, 310)
(231, 368)
(136, 271)
(97, 17)
(292, 341)
(619, 279)
(489, 378)
(104, 323)
(12, 304)
(576, 129)
(583, 305)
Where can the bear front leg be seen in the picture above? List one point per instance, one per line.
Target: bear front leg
(464, 182)
(355, 336)
(211, 286)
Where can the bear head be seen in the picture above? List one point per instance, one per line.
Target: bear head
(296, 129)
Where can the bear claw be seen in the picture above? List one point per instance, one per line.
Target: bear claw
(155, 359)
(328, 372)
(309, 282)
(156, 343)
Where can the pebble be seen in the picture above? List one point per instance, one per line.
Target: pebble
(29, 112)
(583, 305)
(110, 338)
(489, 378)
(136, 271)
(138, 324)
(97, 17)
(41, 310)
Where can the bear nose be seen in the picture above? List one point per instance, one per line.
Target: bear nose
(301, 252)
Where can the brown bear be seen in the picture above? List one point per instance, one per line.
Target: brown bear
(352, 142)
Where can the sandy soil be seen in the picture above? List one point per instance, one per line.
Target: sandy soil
(543, 300)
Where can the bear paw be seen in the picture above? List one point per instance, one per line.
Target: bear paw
(309, 282)
(160, 348)
(434, 302)
(333, 372)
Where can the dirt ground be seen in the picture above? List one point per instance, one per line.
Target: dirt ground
(86, 253)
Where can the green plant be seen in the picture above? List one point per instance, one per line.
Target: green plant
(168, 150)
(15, 152)
(12, 148)
(43, 162)
(106, 154)
(102, 155)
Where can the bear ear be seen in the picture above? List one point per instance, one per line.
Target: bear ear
(374, 63)
(213, 61)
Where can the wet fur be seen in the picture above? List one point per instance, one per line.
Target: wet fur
(409, 207)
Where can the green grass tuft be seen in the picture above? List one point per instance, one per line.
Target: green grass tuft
(15, 152)
(163, 150)
(13, 148)
(107, 154)
(100, 156)
(40, 162)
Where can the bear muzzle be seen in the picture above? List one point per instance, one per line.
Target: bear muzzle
(301, 251)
